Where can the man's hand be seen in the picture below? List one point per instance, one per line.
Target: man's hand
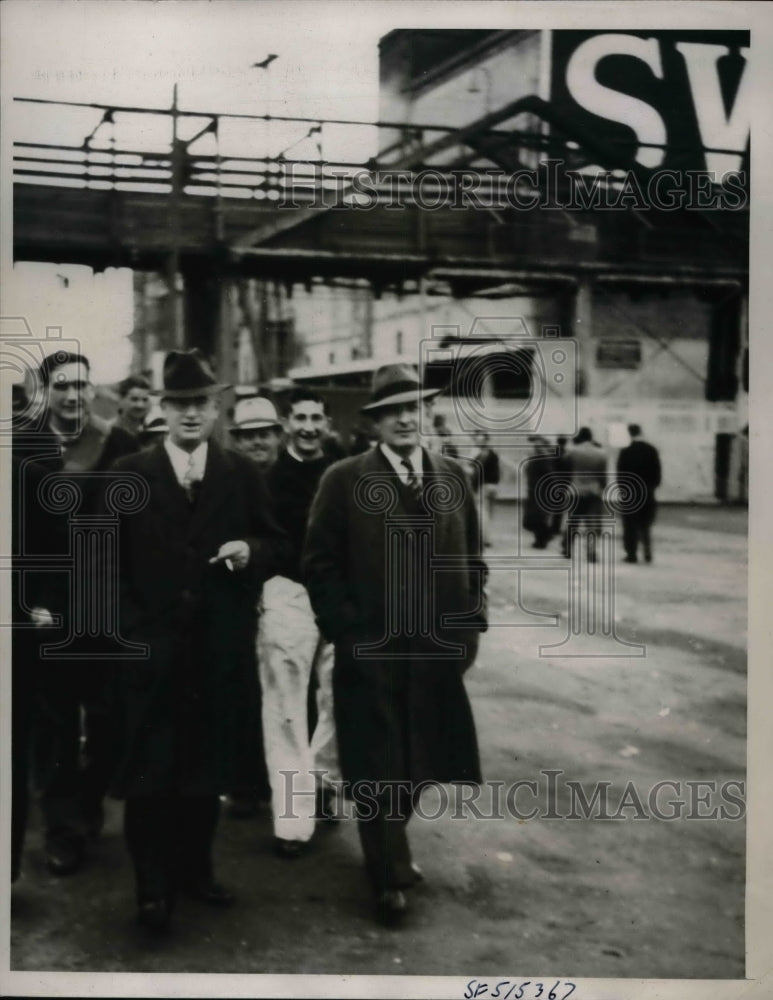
(235, 555)
(41, 617)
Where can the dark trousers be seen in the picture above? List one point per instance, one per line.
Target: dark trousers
(76, 745)
(583, 519)
(383, 830)
(170, 840)
(25, 654)
(637, 530)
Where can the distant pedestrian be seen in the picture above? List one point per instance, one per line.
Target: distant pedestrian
(588, 466)
(442, 434)
(154, 428)
(488, 476)
(641, 459)
(536, 518)
(133, 404)
(562, 474)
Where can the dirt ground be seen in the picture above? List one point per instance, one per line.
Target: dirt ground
(636, 896)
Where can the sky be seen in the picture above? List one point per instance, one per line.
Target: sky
(133, 54)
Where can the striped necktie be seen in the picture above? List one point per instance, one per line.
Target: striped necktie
(190, 483)
(413, 482)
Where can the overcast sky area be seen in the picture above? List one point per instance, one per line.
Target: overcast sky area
(132, 54)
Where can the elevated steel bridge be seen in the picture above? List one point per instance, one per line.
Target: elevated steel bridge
(436, 202)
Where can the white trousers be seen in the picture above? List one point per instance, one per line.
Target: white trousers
(290, 647)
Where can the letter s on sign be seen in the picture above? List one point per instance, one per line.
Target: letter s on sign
(582, 84)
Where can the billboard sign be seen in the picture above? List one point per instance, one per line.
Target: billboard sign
(662, 100)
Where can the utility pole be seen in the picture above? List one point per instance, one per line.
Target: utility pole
(173, 264)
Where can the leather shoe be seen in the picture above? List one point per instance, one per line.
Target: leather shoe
(154, 914)
(391, 907)
(211, 892)
(64, 857)
(289, 849)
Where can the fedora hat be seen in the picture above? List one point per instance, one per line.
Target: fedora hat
(395, 384)
(254, 413)
(187, 374)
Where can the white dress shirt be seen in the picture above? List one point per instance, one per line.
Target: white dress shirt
(181, 461)
(396, 461)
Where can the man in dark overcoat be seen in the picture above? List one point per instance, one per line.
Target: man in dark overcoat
(73, 731)
(192, 562)
(379, 528)
(641, 459)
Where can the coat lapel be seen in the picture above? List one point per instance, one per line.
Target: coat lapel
(216, 487)
(166, 493)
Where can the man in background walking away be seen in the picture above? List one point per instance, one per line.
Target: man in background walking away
(291, 652)
(641, 459)
(404, 632)
(587, 463)
(133, 404)
(487, 462)
(192, 562)
(74, 739)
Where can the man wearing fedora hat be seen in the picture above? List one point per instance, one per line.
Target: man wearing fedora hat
(192, 562)
(381, 526)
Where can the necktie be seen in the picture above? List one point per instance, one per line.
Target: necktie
(190, 482)
(413, 482)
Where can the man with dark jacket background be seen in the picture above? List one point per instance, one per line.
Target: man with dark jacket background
(640, 459)
(66, 438)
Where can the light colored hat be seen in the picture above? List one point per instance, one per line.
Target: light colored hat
(252, 413)
(394, 384)
(155, 421)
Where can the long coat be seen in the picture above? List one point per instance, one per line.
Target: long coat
(401, 709)
(183, 708)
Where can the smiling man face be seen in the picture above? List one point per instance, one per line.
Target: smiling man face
(306, 425)
(69, 394)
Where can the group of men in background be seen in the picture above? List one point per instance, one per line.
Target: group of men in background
(579, 474)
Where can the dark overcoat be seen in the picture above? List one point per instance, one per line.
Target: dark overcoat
(183, 708)
(372, 565)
